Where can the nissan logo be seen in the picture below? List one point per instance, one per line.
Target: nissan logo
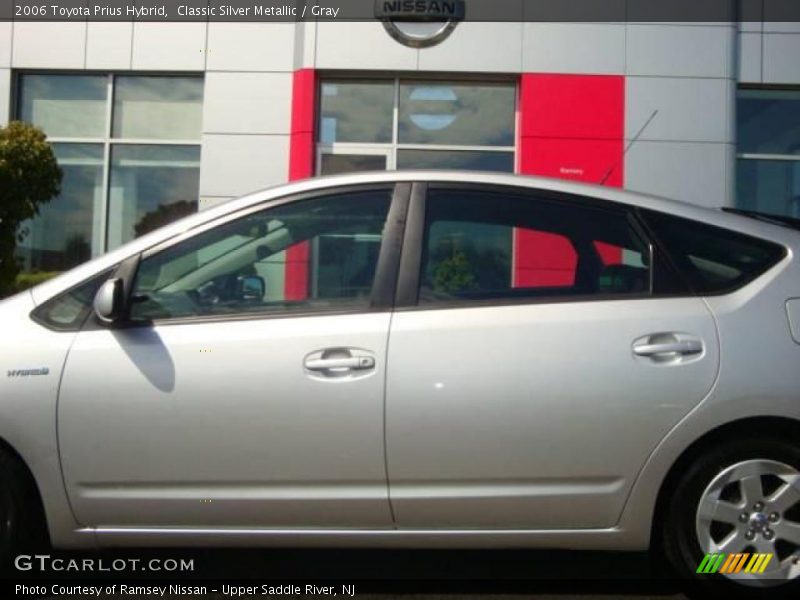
(420, 23)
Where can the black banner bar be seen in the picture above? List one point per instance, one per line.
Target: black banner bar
(685, 11)
(333, 588)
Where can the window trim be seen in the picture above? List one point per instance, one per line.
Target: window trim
(391, 148)
(761, 156)
(407, 292)
(407, 297)
(384, 280)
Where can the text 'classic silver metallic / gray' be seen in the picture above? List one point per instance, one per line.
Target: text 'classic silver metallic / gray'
(426, 359)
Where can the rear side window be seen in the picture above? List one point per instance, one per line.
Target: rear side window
(713, 260)
(484, 245)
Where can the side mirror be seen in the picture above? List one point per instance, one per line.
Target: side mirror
(251, 288)
(109, 301)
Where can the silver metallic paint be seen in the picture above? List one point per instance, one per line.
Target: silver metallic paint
(757, 376)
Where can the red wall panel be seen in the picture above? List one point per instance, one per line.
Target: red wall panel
(572, 106)
(571, 127)
(543, 259)
(588, 160)
(301, 165)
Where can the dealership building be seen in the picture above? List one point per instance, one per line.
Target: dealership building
(151, 121)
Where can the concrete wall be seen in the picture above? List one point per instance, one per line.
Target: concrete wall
(768, 53)
(247, 107)
(687, 73)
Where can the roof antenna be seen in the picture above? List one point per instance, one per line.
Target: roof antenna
(632, 142)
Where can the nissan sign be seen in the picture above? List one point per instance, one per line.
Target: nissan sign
(420, 23)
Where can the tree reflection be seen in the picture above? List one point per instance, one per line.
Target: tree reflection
(164, 214)
(76, 250)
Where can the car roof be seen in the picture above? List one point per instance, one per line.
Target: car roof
(478, 177)
(678, 208)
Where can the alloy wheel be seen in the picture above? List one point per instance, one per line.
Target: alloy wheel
(753, 507)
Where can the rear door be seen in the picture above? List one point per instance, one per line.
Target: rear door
(539, 351)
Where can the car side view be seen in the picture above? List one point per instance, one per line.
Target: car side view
(419, 359)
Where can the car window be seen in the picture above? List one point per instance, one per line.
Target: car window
(68, 311)
(312, 254)
(713, 259)
(483, 245)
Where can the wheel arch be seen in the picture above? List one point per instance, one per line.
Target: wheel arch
(30, 481)
(775, 427)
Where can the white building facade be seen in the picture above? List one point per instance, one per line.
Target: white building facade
(151, 121)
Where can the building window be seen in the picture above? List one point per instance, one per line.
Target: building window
(768, 169)
(129, 146)
(379, 124)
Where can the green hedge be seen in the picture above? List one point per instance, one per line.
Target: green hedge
(28, 280)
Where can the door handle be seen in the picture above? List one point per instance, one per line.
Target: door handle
(353, 362)
(673, 346)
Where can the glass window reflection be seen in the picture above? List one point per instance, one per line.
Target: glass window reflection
(158, 108)
(456, 113)
(65, 105)
(60, 237)
(768, 145)
(356, 111)
(103, 205)
(769, 186)
(333, 164)
(768, 121)
(502, 162)
(150, 186)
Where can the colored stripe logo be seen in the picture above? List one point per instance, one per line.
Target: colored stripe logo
(730, 564)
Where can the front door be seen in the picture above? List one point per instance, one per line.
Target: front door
(248, 389)
(535, 364)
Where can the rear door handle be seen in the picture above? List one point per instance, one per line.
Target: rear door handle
(353, 362)
(668, 347)
(681, 347)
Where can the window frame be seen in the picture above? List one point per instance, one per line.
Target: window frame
(762, 156)
(384, 280)
(407, 297)
(101, 216)
(765, 155)
(394, 146)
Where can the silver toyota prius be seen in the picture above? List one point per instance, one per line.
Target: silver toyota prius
(419, 359)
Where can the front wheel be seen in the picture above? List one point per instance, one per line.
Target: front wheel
(733, 521)
(21, 526)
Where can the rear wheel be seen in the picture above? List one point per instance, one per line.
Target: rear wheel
(741, 498)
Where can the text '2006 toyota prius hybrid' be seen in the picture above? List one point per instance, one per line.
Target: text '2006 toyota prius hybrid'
(418, 359)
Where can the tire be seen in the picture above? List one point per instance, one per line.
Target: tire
(22, 527)
(738, 497)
